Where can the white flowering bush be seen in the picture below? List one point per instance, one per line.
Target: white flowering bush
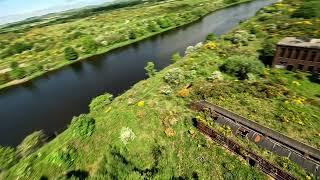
(166, 90)
(127, 135)
(174, 76)
(191, 49)
(216, 75)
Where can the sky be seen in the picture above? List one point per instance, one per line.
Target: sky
(16, 10)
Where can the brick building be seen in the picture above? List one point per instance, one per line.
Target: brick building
(298, 54)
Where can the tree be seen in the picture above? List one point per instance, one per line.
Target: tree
(153, 27)
(100, 102)
(150, 68)
(241, 66)
(164, 23)
(132, 35)
(175, 57)
(211, 37)
(70, 54)
(32, 143)
(17, 73)
(268, 50)
(90, 45)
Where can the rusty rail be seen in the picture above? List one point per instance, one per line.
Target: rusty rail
(306, 156)
(253, 158)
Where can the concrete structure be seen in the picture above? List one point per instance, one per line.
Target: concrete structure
(306, 156)
(298, 54)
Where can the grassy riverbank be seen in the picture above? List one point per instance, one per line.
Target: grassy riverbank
(147, 132)
(28, 53)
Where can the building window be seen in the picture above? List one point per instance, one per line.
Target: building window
(282, 51)
(300, 66)
(310, 68)
(296, 56)
(290, 67)
(289, 53)
(304, 55)
(313, 56)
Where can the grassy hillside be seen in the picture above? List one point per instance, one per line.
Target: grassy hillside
(147, 132)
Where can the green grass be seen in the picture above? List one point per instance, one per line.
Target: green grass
(147, 132)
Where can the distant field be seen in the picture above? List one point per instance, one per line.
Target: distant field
(28, 52)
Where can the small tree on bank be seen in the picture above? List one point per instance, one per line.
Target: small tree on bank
(241, 66)
(175, 57)
(70, 54)
(150, 69)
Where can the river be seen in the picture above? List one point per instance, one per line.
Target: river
(50, 102)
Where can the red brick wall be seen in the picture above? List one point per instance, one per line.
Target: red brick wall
(297, 58)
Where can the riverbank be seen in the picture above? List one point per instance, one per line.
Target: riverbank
(147, 132)
(38, 72)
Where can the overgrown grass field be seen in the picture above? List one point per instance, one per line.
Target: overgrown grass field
(147, 132)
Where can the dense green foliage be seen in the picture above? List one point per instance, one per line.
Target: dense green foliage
(89, 45)
(64, 157)
(211, 37)
(70, 54)
(241, 66)
(100, 102)
(309, 9)
(82, 126)
(175, 57)
(31, 143)
(8, 157)
(16, 48)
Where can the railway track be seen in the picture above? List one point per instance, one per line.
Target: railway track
(305, 156)
(252, 158)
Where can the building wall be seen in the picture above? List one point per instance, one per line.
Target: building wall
(297, 58)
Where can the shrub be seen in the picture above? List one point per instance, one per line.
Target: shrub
(164, 23)
(241, 37)
(64, 157)
(82, 126)
(174, 76)
(216, 75)
(100, 102)
(8, 157)
(175, 57)
(17, 73)
(16, 48)
(153, 27)
(268, 47)
(89, 45)
(150, 69)
(132, 35)
(240, 66)
(70, 54)
(211, 37)
(127, 135)
(309, 9)
(32, 143)
(14, 65)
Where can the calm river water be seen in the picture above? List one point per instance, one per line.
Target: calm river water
(50, 102)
